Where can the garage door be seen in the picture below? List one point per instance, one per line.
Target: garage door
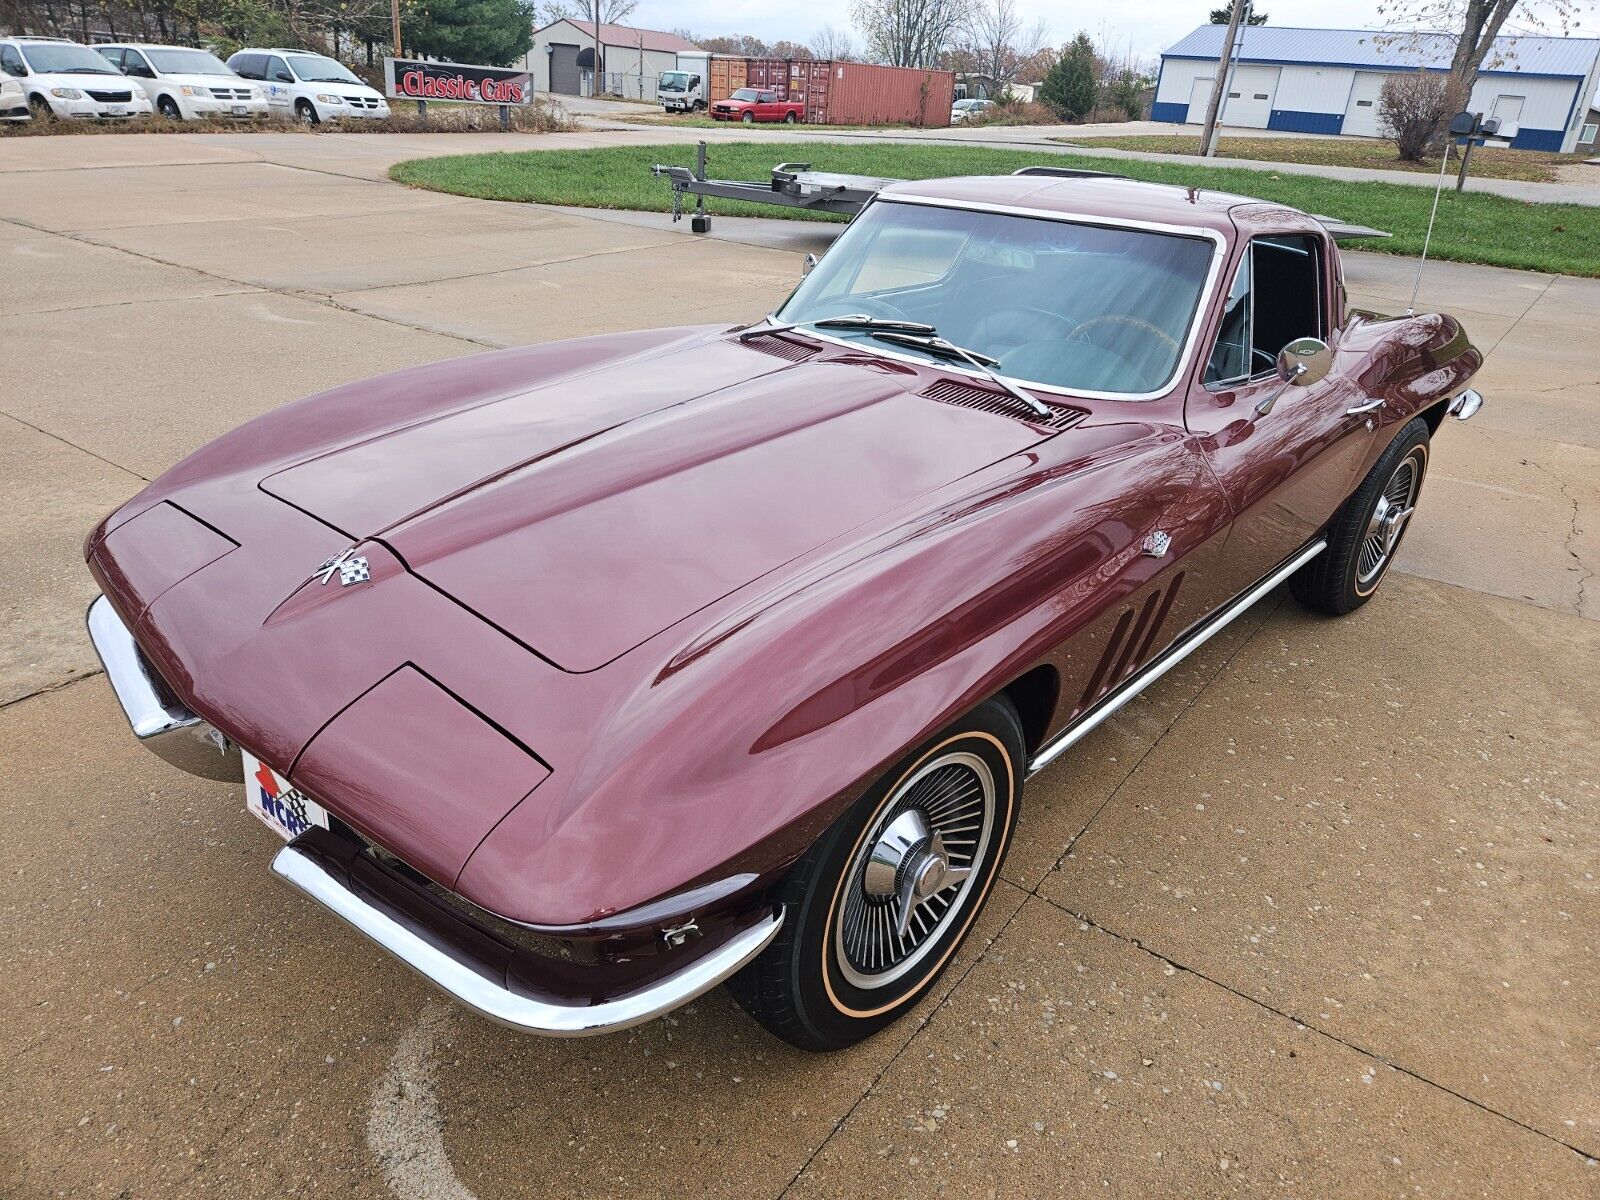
(1250, 93)
(1361, 112)
(564, 69)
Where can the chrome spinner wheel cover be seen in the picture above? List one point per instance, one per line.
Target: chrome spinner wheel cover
(914, 869)
(1388, 521)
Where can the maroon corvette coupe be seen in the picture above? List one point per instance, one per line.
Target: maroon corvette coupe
(585, 676)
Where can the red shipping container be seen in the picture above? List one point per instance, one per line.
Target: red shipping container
(868, 94)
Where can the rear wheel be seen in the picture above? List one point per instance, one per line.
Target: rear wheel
(1366, 534)
(789, 118)
(875, 910)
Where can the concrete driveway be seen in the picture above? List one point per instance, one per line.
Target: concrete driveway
(1315, 916)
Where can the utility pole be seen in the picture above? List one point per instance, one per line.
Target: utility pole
(597, 85)
(1219, 86)
(394, 25)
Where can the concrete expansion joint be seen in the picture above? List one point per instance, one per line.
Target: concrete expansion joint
(50, 687)
(1167, 960)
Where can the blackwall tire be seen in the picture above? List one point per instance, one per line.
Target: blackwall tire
(1366, 535)
(927, 838)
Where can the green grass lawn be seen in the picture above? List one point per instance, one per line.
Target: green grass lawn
(1487, 161)
(1472, 227)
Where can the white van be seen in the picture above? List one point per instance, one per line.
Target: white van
(185, 84)
(63, 79)
(310, 87)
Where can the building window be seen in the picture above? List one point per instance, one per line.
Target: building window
(1589, 132)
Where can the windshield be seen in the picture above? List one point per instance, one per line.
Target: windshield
(1072, 306)
(673, 81)
(186, 62)
(65, 58)
(314, 68)
(745, 94)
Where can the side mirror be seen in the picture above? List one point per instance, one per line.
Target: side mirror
(283, 77)
(807, 264)
(1302, 362)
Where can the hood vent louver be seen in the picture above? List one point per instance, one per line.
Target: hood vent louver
(954, 391)
(782, 348)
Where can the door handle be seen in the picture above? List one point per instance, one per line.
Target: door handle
(1362, 409)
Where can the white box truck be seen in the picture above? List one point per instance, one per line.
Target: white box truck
(688, 88)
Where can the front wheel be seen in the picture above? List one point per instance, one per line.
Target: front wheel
(307, 113)
(876, 909)
(1366, 534)
(168, 108)
(749, 118)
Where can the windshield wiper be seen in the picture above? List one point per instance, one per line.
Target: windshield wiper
(848, 321)
(985, 363)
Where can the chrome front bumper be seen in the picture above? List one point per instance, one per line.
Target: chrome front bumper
(477, 967)
(165, 728)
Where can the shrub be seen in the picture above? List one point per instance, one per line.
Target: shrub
(1413, 107)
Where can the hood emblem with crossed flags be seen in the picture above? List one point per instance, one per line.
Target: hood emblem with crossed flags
(350, 567)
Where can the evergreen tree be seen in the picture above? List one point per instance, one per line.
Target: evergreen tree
(1069, 88)
(490, 33)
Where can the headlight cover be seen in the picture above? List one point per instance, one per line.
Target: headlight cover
(66, 93)
(330, 99)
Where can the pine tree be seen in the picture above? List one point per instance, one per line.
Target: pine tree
(1069, 88)
(490, 33)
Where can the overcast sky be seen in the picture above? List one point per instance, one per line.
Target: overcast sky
(1147, 26)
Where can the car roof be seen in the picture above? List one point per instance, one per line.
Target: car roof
(1200, 209)
(151, 46)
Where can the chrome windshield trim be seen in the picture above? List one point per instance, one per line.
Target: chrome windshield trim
(1219, 252)
(1167, 659)
(455, 975)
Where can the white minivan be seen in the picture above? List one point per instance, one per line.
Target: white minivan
(186, 84)
(310, 87)
(63, 79)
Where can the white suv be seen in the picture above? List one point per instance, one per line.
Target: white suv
(186, 84)
(63, 79)
(310, 87)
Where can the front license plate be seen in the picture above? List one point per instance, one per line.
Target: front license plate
(116, 112)
(240, 110)
(284, 808)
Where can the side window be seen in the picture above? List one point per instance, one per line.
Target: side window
(112, 54)
(133, 63)
(1288, 295)
(278, 70)
(1230, 358)
(11, 61)
(1276, 297)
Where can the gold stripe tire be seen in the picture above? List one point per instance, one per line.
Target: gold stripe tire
(841, 969)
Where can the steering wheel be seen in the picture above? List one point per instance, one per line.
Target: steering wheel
(1081, 333)
(997, 319)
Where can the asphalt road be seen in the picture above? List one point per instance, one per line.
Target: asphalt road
(1315, 916)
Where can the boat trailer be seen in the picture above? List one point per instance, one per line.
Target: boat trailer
(796, 185)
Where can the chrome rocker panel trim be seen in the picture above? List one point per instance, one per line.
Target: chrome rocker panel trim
(1167, 659)
(170, 732)
(448, 965)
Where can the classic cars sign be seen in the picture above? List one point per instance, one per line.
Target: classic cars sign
(412, 79)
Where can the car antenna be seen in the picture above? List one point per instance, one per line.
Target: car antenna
(1463, 124)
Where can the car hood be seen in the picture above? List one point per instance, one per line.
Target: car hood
(584, 516)
(84, 80)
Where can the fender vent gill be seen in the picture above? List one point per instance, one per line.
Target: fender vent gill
(782, 348)
(952, 391)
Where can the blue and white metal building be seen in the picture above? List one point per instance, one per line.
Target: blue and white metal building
(1327, 80)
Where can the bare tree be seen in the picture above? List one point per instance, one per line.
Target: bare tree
(995, 40)
(611, 11)
(830, 42)
(1475, 24)
(1413, 107)
(909, 33)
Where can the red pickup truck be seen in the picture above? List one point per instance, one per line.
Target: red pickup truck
(758, 104)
